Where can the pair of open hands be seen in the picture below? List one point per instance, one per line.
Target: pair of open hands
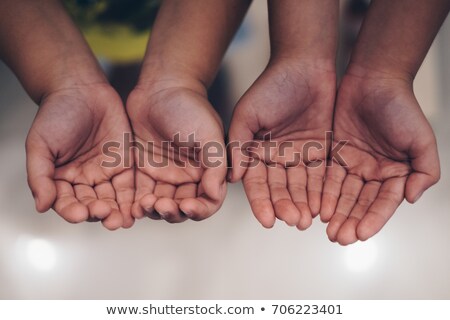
(390, 154)
(69, 170)
(390, 150)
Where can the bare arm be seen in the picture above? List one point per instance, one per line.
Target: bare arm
(79, 112)
(43, 47)
(391, 151)
(189, 38)
(397, 34)
(186, 46)
(304, 29)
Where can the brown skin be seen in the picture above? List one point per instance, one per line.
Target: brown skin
(388, 158)
(176, 192)
(64, 156)
(188, 41)
(78, 112)
(293, 99)
(392, 152)
(391, 146)
(294, 103)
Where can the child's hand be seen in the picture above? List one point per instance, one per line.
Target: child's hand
(391, 154)
(64, 156)
(183, 187)
(294, 103)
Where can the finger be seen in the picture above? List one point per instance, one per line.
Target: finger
(106, 192)
(347, 233)
(285, 209)
(297, 177)
(350, 191)
(214, 162)
(123, 185)
(67, 205)
(162, 166)
(426, 171)
(389, 197)
(212, 181)
(114, 221)
(351, 188)
(144, 199)
(164, 191)
(316, 173)
(334, 177)
(40, 171)
(213, 189)
(203, 206)
(239, 134)
(185, 191)
(98, 209)
(136, 210)
(257, 190)
(147, 203)
(168, 210)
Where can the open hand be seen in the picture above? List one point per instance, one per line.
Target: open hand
(292, 102)
(174, 125)
(391, 154)
(65, 156)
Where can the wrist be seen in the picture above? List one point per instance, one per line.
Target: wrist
(362, 86)
(379, 71)
(306, 66)
(160, 87)
(172, 72)
(369, 76)
(154, 79)
(71, 72)
(319, 58)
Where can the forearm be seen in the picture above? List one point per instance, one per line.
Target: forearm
(304, 29)
(43, 47)
(189, 38)
(396, 35)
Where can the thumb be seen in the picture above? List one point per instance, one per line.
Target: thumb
(40, 171)
(240, 138)
(214, 161)
(426, 171)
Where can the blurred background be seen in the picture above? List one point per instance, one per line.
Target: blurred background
(229, 256)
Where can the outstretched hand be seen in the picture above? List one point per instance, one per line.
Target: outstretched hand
(294, 104)
(391, 154)
(175, 129)
(65, 156)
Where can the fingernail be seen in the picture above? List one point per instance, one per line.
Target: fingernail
(418, 197)
(187, 214)
(36, 202)
(163, 215)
